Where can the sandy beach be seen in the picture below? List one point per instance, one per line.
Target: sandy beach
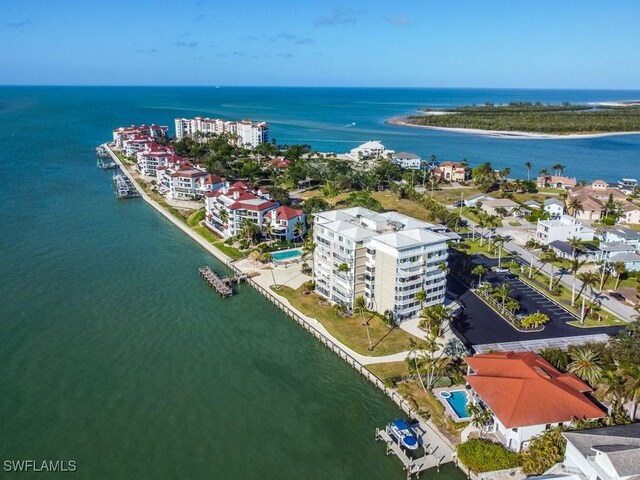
(403, 122)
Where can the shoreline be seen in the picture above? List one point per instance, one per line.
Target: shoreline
(352, 358)
(403, 122)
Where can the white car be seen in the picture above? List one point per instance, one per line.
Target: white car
(501, 270)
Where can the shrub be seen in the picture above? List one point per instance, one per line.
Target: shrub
(483, 456)
(442, 382)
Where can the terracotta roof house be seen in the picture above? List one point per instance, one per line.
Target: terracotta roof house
(593, 198)
(453, 172)
(527, 395)
(555, 181)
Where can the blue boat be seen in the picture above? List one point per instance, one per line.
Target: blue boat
(401, 431)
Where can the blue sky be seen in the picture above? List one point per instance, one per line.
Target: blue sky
(422, 43)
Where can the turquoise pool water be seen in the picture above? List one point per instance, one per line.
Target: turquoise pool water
(458, 400)
(286, 255)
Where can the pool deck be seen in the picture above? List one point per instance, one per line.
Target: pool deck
(448, 408)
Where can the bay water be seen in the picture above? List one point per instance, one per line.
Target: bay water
(113, 351)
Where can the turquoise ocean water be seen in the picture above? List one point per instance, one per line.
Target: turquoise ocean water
(115, 354)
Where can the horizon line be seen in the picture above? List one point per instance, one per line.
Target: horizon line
(216, 86)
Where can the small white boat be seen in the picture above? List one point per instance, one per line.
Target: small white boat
(401, 431)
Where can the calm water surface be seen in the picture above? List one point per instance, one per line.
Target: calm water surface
(115, 354)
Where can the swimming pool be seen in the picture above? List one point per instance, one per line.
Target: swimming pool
(286, 254)
(458, 400)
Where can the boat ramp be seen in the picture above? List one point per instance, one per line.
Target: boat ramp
(434, 449)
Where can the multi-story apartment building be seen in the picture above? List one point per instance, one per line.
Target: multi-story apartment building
(180, 182)
(153, 156)
(125, 133)
(385, 257)
(245, 133)
(229, 207)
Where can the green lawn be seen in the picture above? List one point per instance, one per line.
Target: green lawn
(389, 370)
(349, 330)
(475, 248)
(389, 201)
(448, 196)
(208, 235)
(196, 217)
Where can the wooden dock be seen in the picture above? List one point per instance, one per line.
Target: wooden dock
(434, 451)
(220, 285)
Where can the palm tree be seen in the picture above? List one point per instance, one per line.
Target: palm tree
(528, 166)
(588, 279)
(360, 305)
(250, 230)
(575, 206)
(585, 363)
(531, 244)
(479, 270)
(433, 316)
(613, 388)
(480, 418)
(558, 169)
(421, 296)
(575, 266)
(502, 293)
(483, 220)
(413, 354)
(576, 245)
(269, 230)
(632, 388)
(224, 216)
(620, 270)
(343, 268)
(298, 229)
(492, 222)
(545, 176)
(499, 241)
(556, 357)
(550, 257)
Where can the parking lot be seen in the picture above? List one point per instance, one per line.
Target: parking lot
(479, 324)
(532, 301)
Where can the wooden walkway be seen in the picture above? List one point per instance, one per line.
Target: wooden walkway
(219, 285)
(435, 451)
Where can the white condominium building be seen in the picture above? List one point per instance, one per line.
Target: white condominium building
(562, 228)
(385, 257)
(245, 133)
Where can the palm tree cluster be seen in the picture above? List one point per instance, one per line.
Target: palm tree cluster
(611, 368)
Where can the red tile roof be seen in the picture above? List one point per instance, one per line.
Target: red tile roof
(524, 389)
(287, 213)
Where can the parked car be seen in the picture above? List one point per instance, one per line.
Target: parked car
(617, 296)
(459, 203)
(501, 270)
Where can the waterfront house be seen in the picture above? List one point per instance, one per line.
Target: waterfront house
(245, 133)
(494, 205)
(284, 221)
(210, 183)
(627, 185)
(556, 181)
(562, 228)
(407, 160)
(370, 150)
(526, 395)
(554, 207)
(452, 172)
(385, 257)
(229, 207)
(593, 199)
(136, 143)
